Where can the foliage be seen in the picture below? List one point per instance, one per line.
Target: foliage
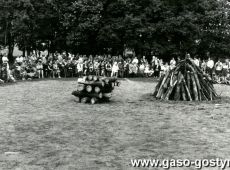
(163, 27)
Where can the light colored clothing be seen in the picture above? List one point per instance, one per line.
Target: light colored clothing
(197, 62)
(219, 66)
(210, 64)
(5, 59)
(115, 68)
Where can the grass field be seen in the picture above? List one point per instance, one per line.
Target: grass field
(43, 128)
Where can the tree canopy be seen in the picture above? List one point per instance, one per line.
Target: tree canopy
(161, 27)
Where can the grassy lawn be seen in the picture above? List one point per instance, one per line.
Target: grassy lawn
(43, 128)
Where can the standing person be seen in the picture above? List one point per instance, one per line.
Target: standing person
(40, 69)
(218, 70)
(157, 70)
(142, 69)
(172, 63)
(97, 67)
(121, 69)
(147, 69)
(143, 60)
(80, 68)
(115, 69)
(103, 68)
(203, 66)
(162, 67)
(85, 68)
(126, 68)
(108, 68)
(153, 62)
(5, 68)
(210, 66)
(225, 71)
(56, 70)
(196, 61)
(91, 67)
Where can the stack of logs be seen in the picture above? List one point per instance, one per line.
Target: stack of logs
(185, 82)
(94, 89)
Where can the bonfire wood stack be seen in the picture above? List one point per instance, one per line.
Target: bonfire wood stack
(185, 82)
(93, 89)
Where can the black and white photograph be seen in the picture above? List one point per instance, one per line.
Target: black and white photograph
(114, 84)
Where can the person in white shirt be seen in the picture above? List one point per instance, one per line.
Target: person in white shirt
(203, 66)
(210, 66)
(197, 62)
(115, 69)
(135, 61)
(5, 59)
(172, 64)
(5, 68)
(142, 69)
(80, 68)
(218, 69)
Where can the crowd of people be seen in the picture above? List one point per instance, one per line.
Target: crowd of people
(67, 65)
(62, 65)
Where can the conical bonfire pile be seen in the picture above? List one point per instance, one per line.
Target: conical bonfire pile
(185, 82)
(94, 89)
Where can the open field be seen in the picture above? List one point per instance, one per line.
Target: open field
(43, 128)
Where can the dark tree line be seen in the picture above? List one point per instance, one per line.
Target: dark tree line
(162, 27)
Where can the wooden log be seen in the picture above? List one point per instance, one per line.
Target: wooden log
(187, 91)
(95, 78)
(158, 86)
(188, 81)
(160, 91)
(107, 95)
(92, 83)
(177, 94)
(109, 79)
(89, 78)
(117, 83)
(85, 94)
(169, 91)
(165, 87)
(194, 88)
(89, 88)
(183, 92)
(97, 89)
(93, 100)
(85, 100)
(78, 99)
(80, 87)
